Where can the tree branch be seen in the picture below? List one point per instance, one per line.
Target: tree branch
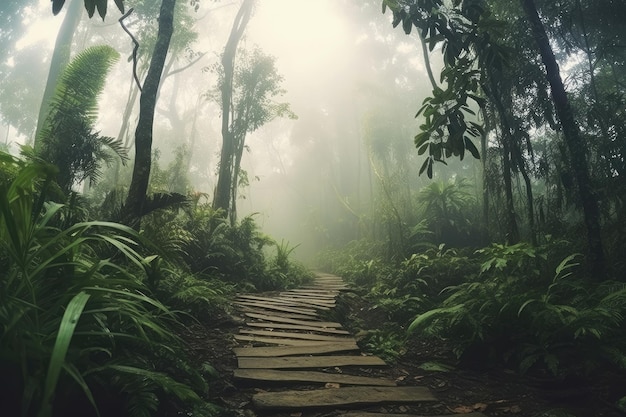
(135, 48)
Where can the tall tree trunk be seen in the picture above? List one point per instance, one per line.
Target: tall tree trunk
(485, 191)
(122, 134)
(513, 231)
(147, 103)
(60, 59)
(222, 197)
(514, 158)
(573, 140)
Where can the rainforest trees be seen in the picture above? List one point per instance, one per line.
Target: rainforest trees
(488, 67)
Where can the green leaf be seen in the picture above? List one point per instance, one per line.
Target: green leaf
(434, 366)
(61, 345)
(57, 5)
(565, 264)
(424, 166)
(407, 25)
(120, 5)
(90, 6)
(102, 7)
(469, 145)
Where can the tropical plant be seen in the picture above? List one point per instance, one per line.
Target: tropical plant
(67, 138)
(450, 210)
(283, 271)
(73, 325)
(512, 311)
(388, 344)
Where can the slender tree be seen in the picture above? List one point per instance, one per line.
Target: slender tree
(60, 59)
(136, 198)
(222, 197)
(573, 140)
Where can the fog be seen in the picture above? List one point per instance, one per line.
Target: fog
(353, 81)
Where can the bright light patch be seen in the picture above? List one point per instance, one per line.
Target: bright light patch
(308, 29)
(45, 29)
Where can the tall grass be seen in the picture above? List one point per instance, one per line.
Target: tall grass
(71, 322)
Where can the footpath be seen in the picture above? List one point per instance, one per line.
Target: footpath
(299, 365)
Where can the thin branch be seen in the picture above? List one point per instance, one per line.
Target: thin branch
(190, 64)
(135, 48)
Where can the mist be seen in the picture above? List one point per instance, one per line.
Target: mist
(344, 69)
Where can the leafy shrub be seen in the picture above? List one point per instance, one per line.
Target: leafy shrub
(359, 262)
(71, 322)
(388, 344)
(514, 311)
(284, 272)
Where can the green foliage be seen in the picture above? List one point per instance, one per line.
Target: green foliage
(513, 311)
(450, 210)
(235, 254)
(468, 37)
(359, 262)
(284, 272)
(73, 325)
(90, 6)
(200, 296)
(67, 138)
(388, 344)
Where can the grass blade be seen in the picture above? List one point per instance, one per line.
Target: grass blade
(66, 331)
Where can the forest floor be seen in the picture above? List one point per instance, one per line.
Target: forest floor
(494, 392)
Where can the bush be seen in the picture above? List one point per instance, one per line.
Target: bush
(71, 322)
(514, 311)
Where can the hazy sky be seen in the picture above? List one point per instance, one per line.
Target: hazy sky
(328, 52)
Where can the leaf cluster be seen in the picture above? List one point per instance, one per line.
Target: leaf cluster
(90, 6)
(512, 311)
(74, 324)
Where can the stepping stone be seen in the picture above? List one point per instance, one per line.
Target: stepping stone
(291, 335)
(329, 280)
(311, 302)
(286, 342)
(277, 351)
(337, 397)
(315, 292)
(309, 376)
(365, 414)
(287, 326)
(280, 301)
(325, 287)
(286, 319)
(308, 298)
(269, 306)
(294, 362)
(278, 314)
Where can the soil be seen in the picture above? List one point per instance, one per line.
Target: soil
(496, 391)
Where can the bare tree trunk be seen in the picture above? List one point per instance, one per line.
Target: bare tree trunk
(221, 199)
(136, 199)
(512, 232)
(60, 59)
(574, 142)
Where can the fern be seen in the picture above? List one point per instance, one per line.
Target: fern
(68, 138)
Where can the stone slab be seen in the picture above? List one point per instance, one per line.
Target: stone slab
(293, 335)
(277, 351)
(270, 306)
(305, 362)
(340, 397)
(287, 326)
(284, 319)
(282, 314)
(279, 341)
(309, 376)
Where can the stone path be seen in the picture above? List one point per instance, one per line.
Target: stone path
(285, 344)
